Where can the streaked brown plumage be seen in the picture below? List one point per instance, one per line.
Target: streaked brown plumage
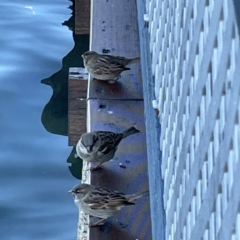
(101, 202)
(100, 146)
(106, 67)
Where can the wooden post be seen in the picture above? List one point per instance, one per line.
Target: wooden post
(77, 94)
(82, 17)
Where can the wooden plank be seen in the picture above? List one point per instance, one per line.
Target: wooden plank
(77, 121)
(76, 127)
(82, 17)
(114, 30)
(79, 113)
(73, 105)
(80, 94)
(73, 140)
(74, 83)
(133, 222)
(115, 107)
(77, 106)
(77, 130)
(78, 73)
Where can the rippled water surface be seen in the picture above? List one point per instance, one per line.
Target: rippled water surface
(35, 178)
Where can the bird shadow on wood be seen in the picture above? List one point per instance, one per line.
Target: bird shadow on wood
(103, 89)
(111, 230)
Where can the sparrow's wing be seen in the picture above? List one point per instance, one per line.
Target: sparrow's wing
(101, 198)
(112, 61)
(108, 68)
(118, 60)
(109, 140)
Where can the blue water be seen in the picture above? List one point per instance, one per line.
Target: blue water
(34, 174)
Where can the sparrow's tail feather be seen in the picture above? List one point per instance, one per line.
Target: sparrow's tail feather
(134, 197)
(134, 60)
(129, 131)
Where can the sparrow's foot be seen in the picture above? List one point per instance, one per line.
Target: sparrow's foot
(112, 81)
(98, 223)
(94, 168)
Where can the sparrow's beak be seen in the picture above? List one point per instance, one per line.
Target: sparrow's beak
(70, 192)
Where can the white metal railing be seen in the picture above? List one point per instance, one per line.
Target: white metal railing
(196, 65)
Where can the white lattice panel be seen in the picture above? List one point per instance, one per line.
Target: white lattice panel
(196, 65)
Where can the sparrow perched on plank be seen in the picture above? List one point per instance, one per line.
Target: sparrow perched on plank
(106, 67)
(100, 146)
(101, 202)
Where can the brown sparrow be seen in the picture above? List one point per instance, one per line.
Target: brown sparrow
(101, 202)
(100, 146)
(106, 67)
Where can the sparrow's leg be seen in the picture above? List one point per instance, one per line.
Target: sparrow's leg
(94, 168)
(100, 222)
(114, 80)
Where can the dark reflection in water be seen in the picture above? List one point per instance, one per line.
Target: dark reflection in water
(33, 170)
(55, 113)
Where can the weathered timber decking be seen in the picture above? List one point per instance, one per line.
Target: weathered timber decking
(114, 30)
(115, 107)
(133, 222)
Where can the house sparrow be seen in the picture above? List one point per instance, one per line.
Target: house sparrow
(101, 202)
(100, 146)
(106, 67)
